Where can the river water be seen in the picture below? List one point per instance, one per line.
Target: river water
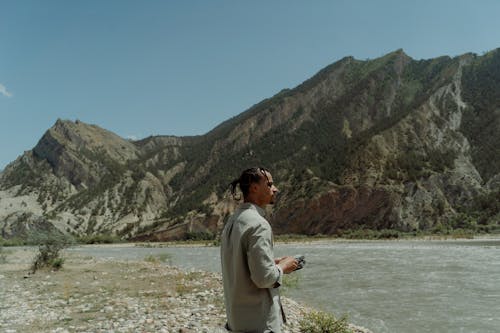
(386, 286)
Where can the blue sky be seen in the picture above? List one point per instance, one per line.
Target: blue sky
(141, 68)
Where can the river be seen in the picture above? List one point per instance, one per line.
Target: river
(387, 286)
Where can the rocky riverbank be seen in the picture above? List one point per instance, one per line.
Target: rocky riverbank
(102, 295)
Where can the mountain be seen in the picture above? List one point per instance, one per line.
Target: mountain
(388, 143)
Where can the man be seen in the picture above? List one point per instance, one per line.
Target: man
(251, 275)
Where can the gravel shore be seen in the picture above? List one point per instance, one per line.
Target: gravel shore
(102, 295)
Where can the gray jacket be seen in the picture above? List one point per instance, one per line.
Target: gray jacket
(250, 276)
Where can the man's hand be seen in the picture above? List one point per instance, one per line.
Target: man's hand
(287, 264)
(277, 260)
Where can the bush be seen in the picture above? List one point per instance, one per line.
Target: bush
(3, 258)
(99, 239)
(200, 235)
(322, 322)
(49, 251)
(12, 242)
(464, 221)
(388, 234)
(57, 263)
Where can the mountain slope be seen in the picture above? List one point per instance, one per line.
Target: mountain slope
(389, 143)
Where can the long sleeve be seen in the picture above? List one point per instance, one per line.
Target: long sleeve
(263, 271)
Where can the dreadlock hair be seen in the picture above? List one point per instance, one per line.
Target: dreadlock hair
(248, 176)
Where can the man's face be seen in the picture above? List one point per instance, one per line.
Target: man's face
(266, 191)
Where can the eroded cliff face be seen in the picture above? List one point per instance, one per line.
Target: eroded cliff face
(377, 144)
(431, 131)
(339, 209)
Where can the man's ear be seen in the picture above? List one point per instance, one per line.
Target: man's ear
(253, 187)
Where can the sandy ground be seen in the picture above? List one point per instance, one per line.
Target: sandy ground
(103, 295)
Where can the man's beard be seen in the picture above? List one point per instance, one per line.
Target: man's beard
(273, 199)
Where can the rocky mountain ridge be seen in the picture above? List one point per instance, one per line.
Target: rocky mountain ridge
(389, 143)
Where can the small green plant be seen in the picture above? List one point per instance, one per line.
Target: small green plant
(322, 322)
(49, 251)
(57, 263)
(3, 257)
(215, 242)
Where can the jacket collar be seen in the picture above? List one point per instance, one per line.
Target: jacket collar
(249, 205)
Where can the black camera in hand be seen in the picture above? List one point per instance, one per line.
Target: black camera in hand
(301, 260)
